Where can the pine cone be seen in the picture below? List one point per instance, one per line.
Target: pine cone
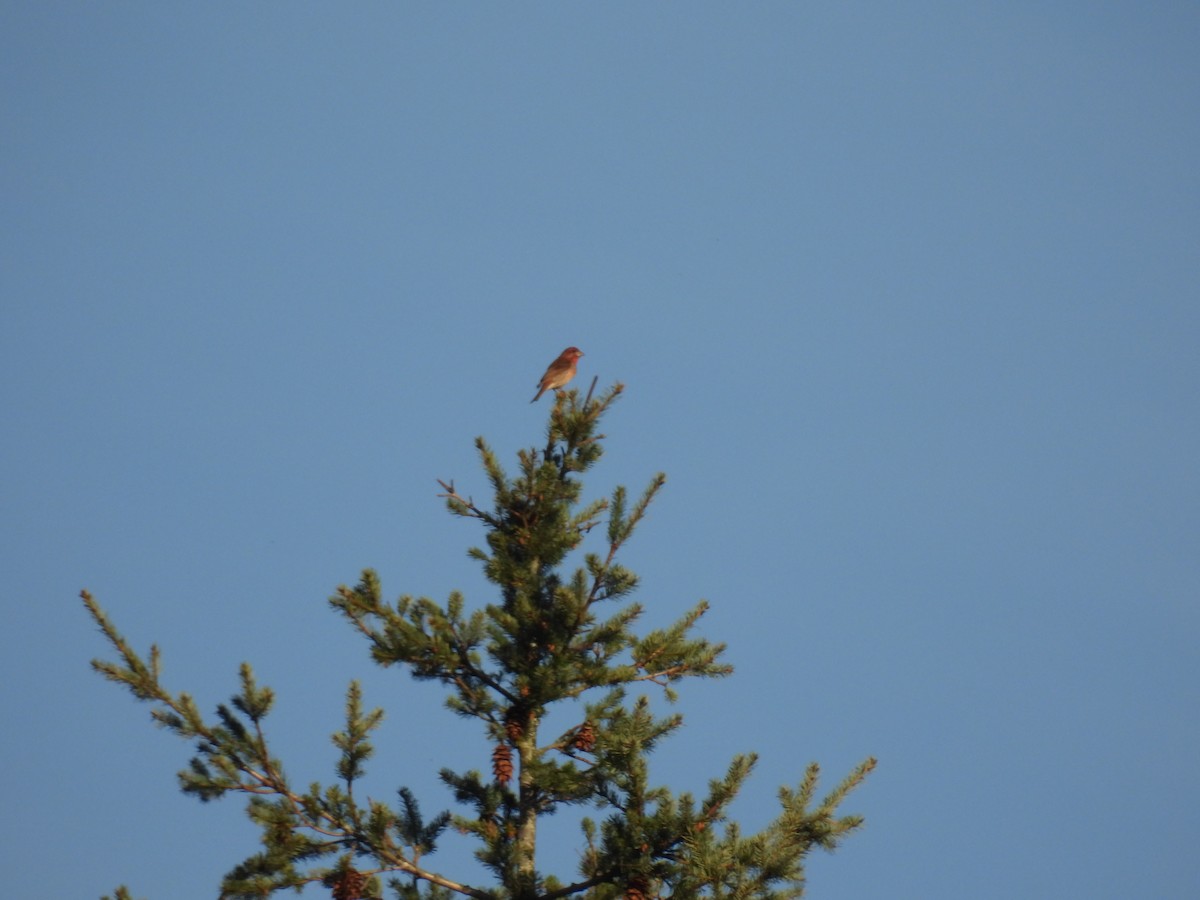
(514, 723)
(585, 738)
(637, 887)
(502, 767)
(349, 885)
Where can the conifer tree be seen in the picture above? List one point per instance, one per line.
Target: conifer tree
(552, 640)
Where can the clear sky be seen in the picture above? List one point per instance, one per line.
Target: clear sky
(905, 297)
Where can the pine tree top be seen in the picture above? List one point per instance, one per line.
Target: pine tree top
(555, 635)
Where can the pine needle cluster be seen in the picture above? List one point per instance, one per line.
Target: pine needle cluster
(553, 640)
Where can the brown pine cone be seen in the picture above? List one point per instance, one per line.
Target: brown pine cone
(636, 888)
(349, 885)
(585, 738)
(502, 765)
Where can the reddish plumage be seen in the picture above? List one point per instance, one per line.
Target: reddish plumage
(560, 372)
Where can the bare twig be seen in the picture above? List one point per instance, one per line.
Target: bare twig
(467, 503)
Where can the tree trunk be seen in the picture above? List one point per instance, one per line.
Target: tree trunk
(527, 823)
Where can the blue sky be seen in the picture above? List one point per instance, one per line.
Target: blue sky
(905, 300)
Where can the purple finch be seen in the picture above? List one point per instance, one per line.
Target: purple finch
(560, 372)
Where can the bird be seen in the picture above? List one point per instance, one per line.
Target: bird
(560, 372)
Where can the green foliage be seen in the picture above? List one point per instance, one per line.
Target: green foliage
(550, 640)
